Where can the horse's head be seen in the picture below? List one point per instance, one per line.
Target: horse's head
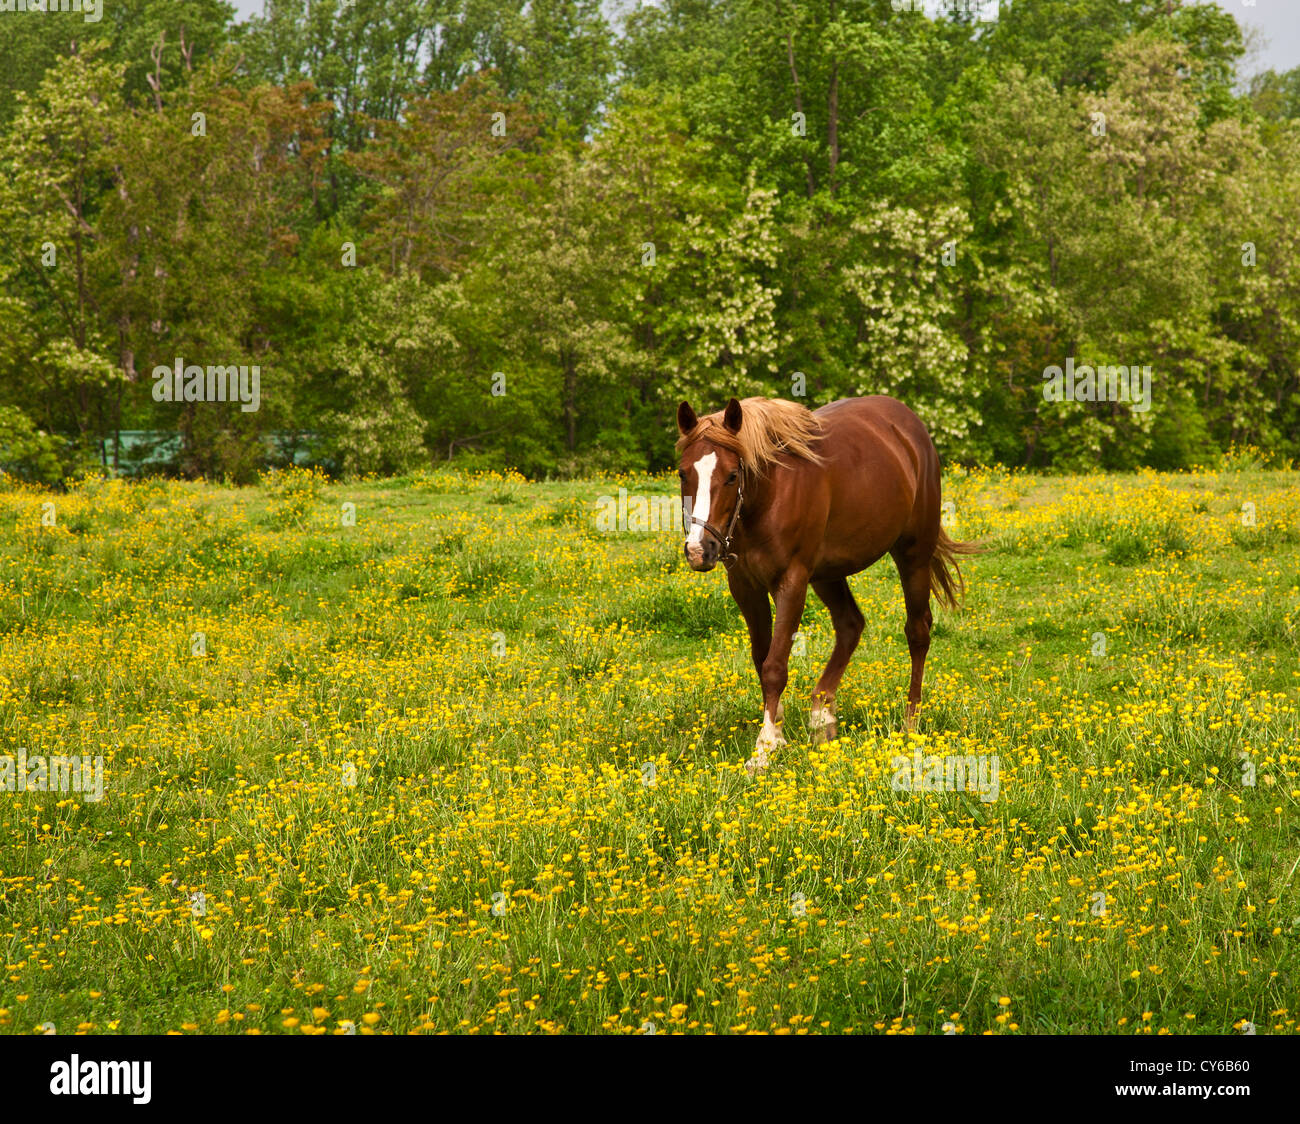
(710, 473)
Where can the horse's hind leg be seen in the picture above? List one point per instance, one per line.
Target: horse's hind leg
(914, 572)
(848, 621)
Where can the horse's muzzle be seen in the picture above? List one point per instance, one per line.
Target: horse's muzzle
(702, 556)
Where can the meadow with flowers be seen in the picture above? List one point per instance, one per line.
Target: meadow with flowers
(439, 754)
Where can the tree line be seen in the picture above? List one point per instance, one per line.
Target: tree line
(500, 233)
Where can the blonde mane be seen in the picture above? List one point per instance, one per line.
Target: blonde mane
(769, 427)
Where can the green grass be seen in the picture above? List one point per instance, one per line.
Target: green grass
(496, 677)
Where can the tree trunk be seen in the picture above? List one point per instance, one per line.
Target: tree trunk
(833, 123)
(570, 401)
(798, 104)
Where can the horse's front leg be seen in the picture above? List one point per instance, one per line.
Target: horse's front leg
(757, 612)
(775, 671)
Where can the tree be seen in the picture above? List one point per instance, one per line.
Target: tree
(60, 356)
(209, 186)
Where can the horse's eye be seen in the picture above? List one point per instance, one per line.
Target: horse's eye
(681, 475)
(732, 478)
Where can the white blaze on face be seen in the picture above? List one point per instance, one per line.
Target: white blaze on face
(703, 495)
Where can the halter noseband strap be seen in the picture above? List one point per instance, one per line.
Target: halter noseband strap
(723, 540)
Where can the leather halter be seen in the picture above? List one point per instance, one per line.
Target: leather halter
(723, 540)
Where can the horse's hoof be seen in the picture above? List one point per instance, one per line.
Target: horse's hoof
(825, 728)
(757, 763)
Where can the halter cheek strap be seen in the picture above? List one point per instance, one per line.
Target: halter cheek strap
(724, 540)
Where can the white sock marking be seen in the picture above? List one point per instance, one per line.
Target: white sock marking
(770, 735)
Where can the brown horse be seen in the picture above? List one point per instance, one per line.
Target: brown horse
(786, 497)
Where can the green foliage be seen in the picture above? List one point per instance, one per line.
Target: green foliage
(500, 235)
(25, 451)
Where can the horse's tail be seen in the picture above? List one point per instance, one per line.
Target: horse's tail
(945, 575)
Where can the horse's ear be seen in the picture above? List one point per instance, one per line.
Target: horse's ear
(731, 417)
(686, 419)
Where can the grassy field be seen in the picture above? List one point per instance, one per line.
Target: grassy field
(472, 765)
